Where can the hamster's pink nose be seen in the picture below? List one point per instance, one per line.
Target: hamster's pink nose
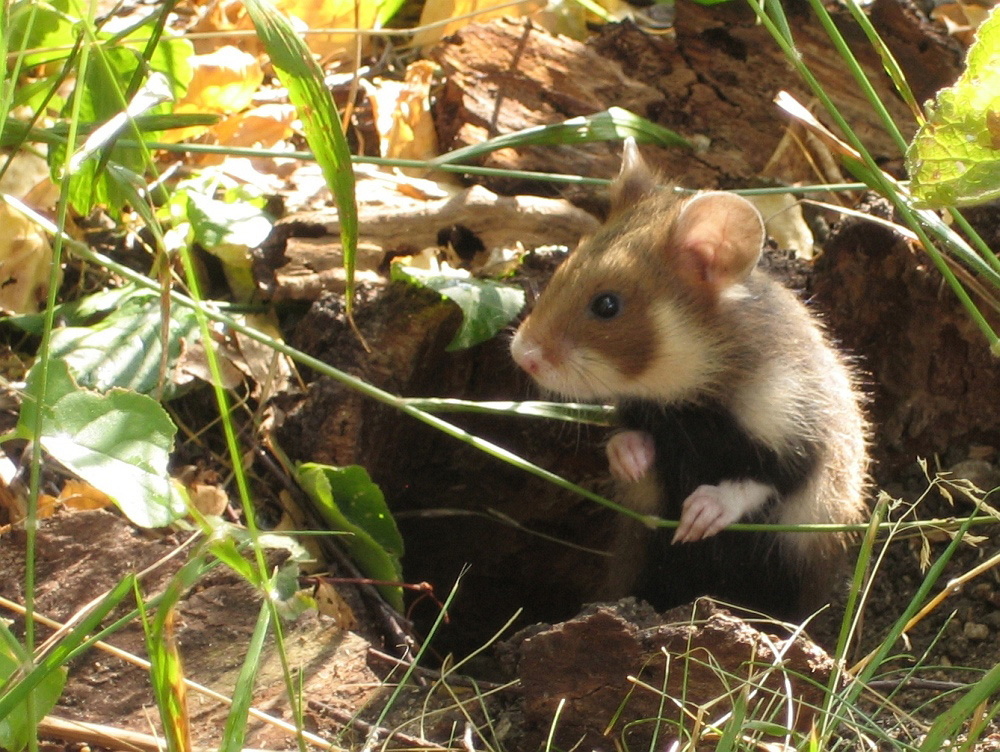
(530, 362)
(526, 354)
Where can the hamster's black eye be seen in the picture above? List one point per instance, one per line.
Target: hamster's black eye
(606, 306)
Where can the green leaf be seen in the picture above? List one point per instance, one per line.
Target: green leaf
(118, 442)
(614, 124)
(487, 306)
(16, 727)
(348, 501)
(954, 159)
(101, 92)
(124, 349)
(307, 90)
(46, 27)
(228, 230)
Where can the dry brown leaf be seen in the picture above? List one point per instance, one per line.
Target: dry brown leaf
(961, 19)
(12, 506)
(210, 500)
(402, 114)
(261, 127)
(333, 14)
(223, 82)
(25, 262)
(304, 15)
(784, 222)
(192, 363)
(330, 603)
(81, 496)
(436, 11)
(25, 172)
(270, 371)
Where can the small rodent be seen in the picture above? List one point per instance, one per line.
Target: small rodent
(733, 405)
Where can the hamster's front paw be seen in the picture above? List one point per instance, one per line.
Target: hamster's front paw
(703, 514)
(710, 509)
(630, 455)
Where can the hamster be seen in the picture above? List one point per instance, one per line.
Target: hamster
(733, 406)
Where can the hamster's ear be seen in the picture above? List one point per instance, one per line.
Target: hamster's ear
(634, 182)
(717, 238)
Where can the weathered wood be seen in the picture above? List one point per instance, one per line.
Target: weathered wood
(713, 80)
(932, 377)
(304, 257)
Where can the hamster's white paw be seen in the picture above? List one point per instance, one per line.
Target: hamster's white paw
(703, 515)
(630, 455)
(710, 509)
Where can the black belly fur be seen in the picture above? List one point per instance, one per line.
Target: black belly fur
(703, 444)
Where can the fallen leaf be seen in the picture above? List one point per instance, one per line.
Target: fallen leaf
(81, 496)
(330, 603)
(961, 19)
(211, 501)
(231, 15)
(784, 222)
(463, 12)
(223, 81)
(402, 115)
(25, 263)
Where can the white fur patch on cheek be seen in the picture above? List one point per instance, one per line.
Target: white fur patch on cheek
(683, 359)
(582, 374)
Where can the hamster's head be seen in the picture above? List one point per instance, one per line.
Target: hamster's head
(634, 311)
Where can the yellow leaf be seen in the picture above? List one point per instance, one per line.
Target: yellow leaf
(76, 494)
(436, 11)
(223, 81)
(330, 603)
(25, 263)
(402, 114)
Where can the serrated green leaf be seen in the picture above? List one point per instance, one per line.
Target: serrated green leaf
(17, 726)
(118, 442)
(348, 501)
(954, 160)
(614, 124)
(124, 349)
(487, 306)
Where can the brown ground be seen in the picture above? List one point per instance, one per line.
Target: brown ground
(527, 546)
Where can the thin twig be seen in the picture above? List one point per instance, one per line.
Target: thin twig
(349, 720)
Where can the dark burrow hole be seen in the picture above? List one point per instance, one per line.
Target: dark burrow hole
(521, 542)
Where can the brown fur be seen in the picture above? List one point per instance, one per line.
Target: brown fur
(699, 322)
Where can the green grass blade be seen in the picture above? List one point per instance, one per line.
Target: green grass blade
(840, 44)
(236, 722)
(613, 124)
(15, 694)
(871, 173)
(572, 412)
(948, 724)
(889, 63)
(303, 77)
